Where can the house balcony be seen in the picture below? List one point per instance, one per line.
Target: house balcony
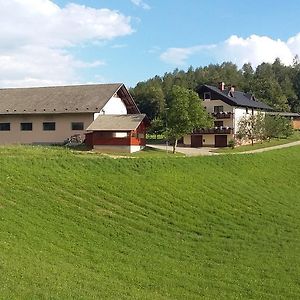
(222, 115)
(215, 130)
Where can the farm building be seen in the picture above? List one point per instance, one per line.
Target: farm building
(227, 106)
(51, 115)
(124, 133)
(293, 117)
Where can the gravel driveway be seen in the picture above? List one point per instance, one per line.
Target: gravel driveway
(188, 151)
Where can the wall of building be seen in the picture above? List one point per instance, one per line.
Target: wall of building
(187, 140)
(209, 105)
(63, 129)
(208, 139)
(296, 124)
(226, 122)
(240, 112)
(120, 149)
(115, 106)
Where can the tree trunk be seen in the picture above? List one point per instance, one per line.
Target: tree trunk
(252, 141)
(175, 145)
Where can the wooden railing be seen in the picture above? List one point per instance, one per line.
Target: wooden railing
(222, 115)
(215, 130)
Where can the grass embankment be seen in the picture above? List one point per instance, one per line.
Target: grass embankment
(147, 152)
(87, 227)
(266, 144)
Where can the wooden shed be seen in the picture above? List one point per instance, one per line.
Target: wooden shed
(118, 133)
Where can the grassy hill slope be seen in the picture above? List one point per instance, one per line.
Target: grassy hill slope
(87, 227)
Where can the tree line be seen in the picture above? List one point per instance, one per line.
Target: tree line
(272, 83)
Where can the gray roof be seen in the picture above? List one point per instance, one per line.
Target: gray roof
(117, 122)
(284, 114)
(236, 98)
(62, 99)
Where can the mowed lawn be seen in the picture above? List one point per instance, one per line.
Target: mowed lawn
(88, 227)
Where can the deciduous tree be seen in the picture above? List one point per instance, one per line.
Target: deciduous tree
(185, 114)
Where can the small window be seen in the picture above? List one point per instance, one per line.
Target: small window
(77, 125)
(26, 126)
(4, 126)
(218, 109)
(218, 123)
(247, 110)
(120, 134)
(207, 96)
(49, 126)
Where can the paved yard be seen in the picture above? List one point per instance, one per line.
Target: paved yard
(188, 151)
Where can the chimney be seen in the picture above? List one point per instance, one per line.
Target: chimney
(222, 86)
(231, 91)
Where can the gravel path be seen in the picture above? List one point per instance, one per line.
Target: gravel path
(188, 151)
(272, 148)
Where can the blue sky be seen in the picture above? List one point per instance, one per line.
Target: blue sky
(56, 42)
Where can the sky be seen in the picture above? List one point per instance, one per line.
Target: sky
(62, 42)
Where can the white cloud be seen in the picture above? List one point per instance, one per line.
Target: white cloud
(141, 4)
(119, 46)
(254, 49)
(179, 56)
(154, 50)
(37, 35)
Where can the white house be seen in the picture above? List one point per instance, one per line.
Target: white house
(227, 106)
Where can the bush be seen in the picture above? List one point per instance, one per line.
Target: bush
(232, 144)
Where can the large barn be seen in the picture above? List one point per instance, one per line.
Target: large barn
(51, 115)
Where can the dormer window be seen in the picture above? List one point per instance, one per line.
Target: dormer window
(207, 96)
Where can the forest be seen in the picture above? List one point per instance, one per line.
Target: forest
(274, 83)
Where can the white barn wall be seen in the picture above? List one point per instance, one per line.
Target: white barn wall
(114, 106)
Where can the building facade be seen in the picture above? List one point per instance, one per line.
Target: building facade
(51, 115)
(227, 106)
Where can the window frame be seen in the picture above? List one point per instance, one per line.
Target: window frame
(45, 128)
(208, 94)
(24, 128)
(77, 123)
(3, 128)
(218, 109)
(219, 123)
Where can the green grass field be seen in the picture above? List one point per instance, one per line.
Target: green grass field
(76, 226)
